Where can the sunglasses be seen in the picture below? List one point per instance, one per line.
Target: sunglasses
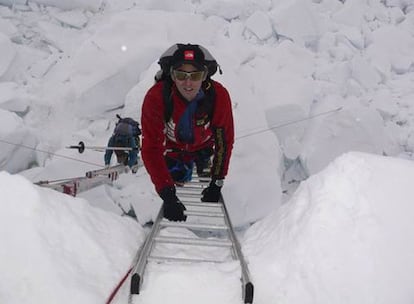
(193, 76)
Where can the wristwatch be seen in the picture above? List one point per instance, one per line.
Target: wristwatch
(219, 182)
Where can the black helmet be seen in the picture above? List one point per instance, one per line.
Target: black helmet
(180, 53)
(190, 54)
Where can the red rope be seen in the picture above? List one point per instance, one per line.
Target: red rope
(116, 289)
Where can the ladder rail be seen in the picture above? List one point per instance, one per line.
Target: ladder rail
(247, 283)
(92, 179)
(139, 269)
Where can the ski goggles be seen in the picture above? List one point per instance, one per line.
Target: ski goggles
(193, 76)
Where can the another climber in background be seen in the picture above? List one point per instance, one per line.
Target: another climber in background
(126, 135)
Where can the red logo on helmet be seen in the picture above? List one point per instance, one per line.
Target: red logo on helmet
(189, 55)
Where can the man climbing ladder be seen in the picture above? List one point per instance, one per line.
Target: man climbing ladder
(186, 119)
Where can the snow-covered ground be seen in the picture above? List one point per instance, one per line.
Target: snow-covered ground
(319, 185)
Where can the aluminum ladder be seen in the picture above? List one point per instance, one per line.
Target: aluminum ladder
(201, 218)
(75, 185)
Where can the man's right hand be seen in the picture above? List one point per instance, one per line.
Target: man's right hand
(173, 208)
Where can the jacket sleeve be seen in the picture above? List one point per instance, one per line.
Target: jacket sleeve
(223, 132)
(153, 138)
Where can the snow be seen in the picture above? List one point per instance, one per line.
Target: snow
(340, 239)
(260, 25)
(8, 53)
(12, 99)
(319, 187)
(59, 239)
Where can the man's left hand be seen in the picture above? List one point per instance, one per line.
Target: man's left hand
(213, 192)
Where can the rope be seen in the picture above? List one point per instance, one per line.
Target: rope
(54, 154)
(289, 123)
(117, 287)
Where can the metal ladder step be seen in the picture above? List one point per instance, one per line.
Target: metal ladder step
(204, 213)
(182, 260)
(195, 204)
(198, 182)
(188, 188)
(195, 226)
(193, 241)
(189, 194)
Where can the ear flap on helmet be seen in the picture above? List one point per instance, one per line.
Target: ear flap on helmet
(171, 73)
(205, 73)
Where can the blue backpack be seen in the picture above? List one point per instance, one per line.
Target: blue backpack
(127, 127)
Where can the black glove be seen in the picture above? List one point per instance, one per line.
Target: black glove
(173, 208)
(213, 192)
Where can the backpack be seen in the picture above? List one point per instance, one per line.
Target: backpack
(127, 127)
(165, 63)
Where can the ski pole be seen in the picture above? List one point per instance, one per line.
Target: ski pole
(81, 147)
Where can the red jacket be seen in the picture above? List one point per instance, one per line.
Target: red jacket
(159, 138)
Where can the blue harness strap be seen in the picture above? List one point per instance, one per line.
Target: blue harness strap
(180, 171)
(185, 131)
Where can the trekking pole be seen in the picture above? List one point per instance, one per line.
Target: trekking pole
(81, 147)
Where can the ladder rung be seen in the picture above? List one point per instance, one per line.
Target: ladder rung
(189, 194)
(192, 193)
(193, 241)
(198, 184)
(183, 260)
(194, 187)
(199, 180)
(201, 204)
(203, 213)
(165, 223)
